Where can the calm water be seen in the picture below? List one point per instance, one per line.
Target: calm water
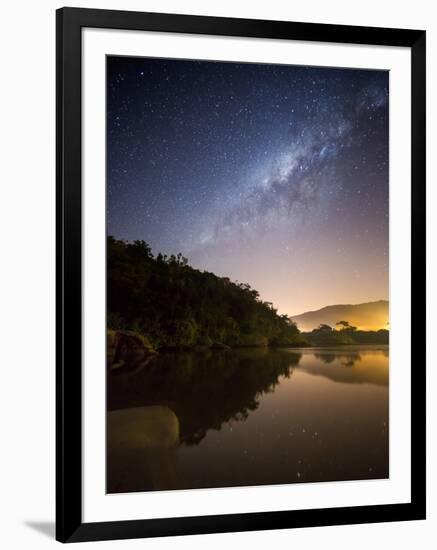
(249, 417)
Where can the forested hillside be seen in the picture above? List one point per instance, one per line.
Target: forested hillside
(175, 305)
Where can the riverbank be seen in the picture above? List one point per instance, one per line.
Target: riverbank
(129, 350)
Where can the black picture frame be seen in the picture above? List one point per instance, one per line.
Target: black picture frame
(69, 525)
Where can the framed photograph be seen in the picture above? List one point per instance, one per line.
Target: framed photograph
(240, 274)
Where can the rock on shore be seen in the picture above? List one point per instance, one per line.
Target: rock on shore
(127, 350)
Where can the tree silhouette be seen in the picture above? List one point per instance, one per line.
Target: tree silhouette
(345, 325)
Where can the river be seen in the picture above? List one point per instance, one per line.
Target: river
(249, 417)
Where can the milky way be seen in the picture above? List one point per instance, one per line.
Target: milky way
(268, 174)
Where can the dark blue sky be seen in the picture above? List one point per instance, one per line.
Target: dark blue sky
(268, 174)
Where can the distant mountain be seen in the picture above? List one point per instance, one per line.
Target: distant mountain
(368, 316)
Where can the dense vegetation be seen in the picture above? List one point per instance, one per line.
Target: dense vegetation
(175, 305)
(345, 334)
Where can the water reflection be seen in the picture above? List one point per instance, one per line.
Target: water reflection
(204, 389)
(368, 366)
(248, 417)
(346, 359)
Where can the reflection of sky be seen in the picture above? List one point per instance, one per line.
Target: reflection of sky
(272, 175)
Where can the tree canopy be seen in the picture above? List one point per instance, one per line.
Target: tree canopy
(175, 305)
(346, 334)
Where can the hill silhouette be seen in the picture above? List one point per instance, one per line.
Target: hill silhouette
(366, 316)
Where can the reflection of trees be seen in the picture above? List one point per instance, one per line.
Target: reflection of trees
(203, 389)
(350, 359)
(346, 359)
(325, 357)
(351, 367)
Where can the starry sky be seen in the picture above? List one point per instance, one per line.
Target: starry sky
(272, 175)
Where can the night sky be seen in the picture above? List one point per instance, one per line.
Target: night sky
(271, 175)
